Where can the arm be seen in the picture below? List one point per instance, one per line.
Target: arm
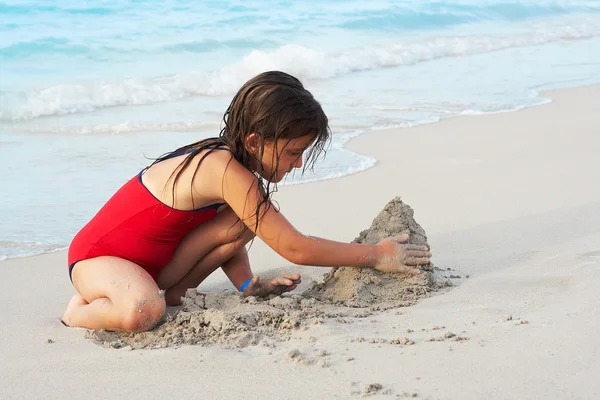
(237, 268)
(240, 190)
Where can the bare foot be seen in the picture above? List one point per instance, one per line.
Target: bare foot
(173, 298)
(75, 302)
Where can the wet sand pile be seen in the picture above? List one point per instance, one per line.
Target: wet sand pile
(229, 320)
(367, 287)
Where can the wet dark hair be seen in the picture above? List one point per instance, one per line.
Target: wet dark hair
(274, 105)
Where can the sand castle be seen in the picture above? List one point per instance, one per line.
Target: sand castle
(367, 287)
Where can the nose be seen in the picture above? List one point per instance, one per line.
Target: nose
(298, 163)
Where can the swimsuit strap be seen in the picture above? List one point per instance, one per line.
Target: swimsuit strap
(180, 153)
(188, 151)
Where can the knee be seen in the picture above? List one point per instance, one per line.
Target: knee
(234, 246)
(244, 238)
(143, 314)
(228, 228)
(233, 231)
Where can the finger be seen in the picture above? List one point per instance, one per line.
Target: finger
(416, 261)
(411, 271)
(417, 253)
(282, 282)
(416, 247)
(295, 278)
(297, 281)
(401, 238)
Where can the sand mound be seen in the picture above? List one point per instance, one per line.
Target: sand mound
(229, 320)
(367, 287)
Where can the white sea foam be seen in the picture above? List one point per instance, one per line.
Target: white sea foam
(121, 128)
(303, 62)
(12, 250)
(504, 110)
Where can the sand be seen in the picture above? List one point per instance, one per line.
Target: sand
(367, 287)
(229, 320)
(511, 209)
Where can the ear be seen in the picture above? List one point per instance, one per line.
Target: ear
(253, 143)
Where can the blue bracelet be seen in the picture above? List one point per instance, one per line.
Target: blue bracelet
(244, 285)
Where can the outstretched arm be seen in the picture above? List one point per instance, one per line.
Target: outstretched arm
(240, 189)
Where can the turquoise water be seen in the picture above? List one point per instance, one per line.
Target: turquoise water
(87, 90)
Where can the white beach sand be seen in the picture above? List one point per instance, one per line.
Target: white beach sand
(510, 202)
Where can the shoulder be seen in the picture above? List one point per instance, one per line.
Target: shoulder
(220, 154)
(220, 160)
(224, 171)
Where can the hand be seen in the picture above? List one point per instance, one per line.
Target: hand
(274, 286)
(395, 256)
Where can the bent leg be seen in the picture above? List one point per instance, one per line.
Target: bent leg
(223, 229)
(202, 251)
(114, 294)
(218, 257)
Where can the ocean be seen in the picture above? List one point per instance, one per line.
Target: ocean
(91, 91)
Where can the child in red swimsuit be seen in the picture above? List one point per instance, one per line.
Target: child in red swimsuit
(137, 226)
(193, 210)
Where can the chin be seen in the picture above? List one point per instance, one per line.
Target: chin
(275, 179)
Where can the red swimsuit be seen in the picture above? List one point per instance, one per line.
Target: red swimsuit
(136, 226)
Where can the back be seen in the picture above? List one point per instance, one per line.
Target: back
(136, 226)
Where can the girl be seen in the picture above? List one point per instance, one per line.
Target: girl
(194, 210)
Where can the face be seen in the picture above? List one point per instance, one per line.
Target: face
(290, 153)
